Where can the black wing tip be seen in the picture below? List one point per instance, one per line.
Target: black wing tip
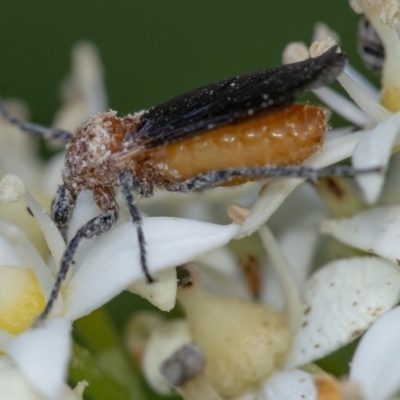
(333, 56)
(331, 63)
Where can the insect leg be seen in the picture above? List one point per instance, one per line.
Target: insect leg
(128, 184)
(143, 189)
(61, 208)
(216, 178)
(46, 133)
(95, 227)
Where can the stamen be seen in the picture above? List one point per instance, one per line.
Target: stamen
(328, 387)
(319, 47)
(322, 31)
(372, 108)
(292, 294)
(347, 109)
(298, 51)
(282, 269)
(367, 104)
(362, 81)
(11, 189)
(390, 76)
(237, 213)
(294, 52)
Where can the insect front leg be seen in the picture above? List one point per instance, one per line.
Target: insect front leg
(45, 133)
(95, 227)
(129, 184)
(61, 208)
(217, 178)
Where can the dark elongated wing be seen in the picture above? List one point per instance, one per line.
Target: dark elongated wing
(231, 100)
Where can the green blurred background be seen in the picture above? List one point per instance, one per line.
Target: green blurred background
(153, 49)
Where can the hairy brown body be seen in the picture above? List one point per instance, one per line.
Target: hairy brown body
(287, 137)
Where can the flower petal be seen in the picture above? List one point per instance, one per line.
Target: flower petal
(391, 190)
(375, 231)
(291, 385)
(8, 254)
(18, 151)
(374, 150)
(342, 299)
(5, 338)
(375, 365)
(13, 385)
(53, 237)
(85, 209)
(28, 258)
(42, 354)
(339, 145)
(162, 293)
(112, 262)
(53, 174)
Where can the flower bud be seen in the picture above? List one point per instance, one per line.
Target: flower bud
(243, 341)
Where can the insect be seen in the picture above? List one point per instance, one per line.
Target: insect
(240, 129)
(370, 46)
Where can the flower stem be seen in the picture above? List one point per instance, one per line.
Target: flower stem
(97, 333)
(101, 386)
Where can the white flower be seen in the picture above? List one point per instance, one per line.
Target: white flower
(14, 386)
(104, 267)
(373, 231)
(24, 279)
(340, 301)
(374, 370)
(360, 307)
(375, 365)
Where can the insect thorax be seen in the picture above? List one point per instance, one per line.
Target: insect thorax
(89, 162)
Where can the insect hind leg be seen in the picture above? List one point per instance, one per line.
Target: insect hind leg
(95, 227)
(216, 178)
(128, 185)
(46, 133)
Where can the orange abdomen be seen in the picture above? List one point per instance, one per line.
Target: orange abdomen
(287, 137)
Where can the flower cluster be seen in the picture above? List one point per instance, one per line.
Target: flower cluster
(254, 328)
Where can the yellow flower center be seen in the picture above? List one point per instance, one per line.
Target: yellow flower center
(21, 299)
(391, 99)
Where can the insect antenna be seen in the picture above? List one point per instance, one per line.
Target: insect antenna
(45, 133)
